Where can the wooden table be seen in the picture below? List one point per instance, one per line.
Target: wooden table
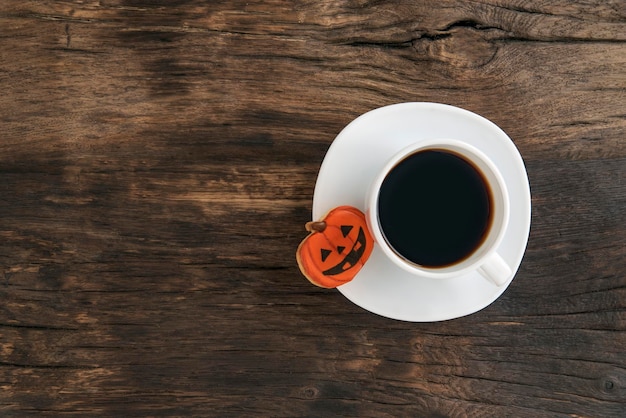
(157, 165)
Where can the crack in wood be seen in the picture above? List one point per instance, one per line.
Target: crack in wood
(68, 35)
(46, 366)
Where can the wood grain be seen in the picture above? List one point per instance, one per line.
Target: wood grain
(157, 164)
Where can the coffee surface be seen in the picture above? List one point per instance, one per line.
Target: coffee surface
(434, 208)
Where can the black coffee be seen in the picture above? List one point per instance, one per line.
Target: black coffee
(434, 208)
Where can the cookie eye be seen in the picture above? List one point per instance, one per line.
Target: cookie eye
(325, 254)
(345, 230)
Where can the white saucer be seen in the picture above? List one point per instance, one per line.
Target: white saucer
(355, 157)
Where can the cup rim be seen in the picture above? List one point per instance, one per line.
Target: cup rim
(489, 244)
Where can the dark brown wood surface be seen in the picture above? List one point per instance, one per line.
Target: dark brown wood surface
(157, 166)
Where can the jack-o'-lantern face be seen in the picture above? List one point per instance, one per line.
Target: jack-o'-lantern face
(336, 249)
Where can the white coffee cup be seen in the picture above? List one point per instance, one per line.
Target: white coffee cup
(484, 258)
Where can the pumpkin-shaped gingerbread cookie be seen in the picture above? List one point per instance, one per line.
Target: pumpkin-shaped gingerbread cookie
(336, 248)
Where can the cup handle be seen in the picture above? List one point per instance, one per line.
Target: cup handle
(495, 269)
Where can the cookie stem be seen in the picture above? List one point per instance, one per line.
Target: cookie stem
(315, 226)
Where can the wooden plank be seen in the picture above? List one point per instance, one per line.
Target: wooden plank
(157, 164)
